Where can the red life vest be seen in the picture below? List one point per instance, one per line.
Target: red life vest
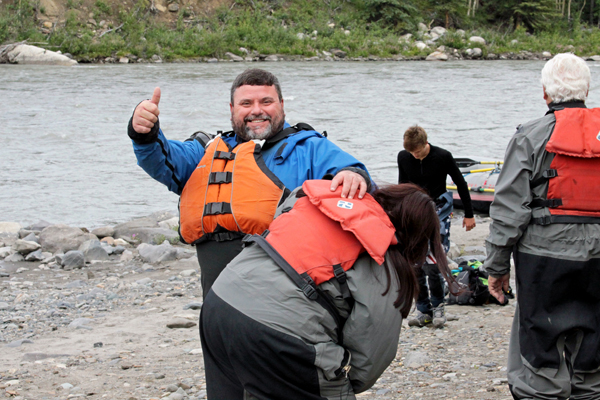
(323, 230)
(574, 174)
(230, 193)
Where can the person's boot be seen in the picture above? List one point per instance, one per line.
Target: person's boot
(420, 320)
(439, 316)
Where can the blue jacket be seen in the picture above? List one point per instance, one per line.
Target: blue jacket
(301, 156)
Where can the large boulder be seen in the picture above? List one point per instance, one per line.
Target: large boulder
(63, 238)
(438, 31)
(26, 54)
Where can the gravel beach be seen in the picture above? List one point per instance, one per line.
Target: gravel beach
(125, 327)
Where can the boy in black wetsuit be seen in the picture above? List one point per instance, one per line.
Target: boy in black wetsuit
(428, 166)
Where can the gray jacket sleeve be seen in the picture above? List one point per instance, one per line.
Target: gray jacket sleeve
(510, 211)
(373, 327)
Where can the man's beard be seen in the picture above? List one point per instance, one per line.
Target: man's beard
(246, 133)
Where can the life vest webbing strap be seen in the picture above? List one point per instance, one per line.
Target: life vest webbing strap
(217, 208)
(340, 276)
(303, 281)
(547, 174)
(565, 219)
(220, 177)
(550, 203)
(225, 155)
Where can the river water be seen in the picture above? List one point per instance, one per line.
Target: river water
(65, 156)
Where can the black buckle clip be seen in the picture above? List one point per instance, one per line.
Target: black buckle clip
(310, 292)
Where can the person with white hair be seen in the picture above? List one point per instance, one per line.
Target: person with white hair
(546, 214)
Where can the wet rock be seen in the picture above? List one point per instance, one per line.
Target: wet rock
(103, 232)
(73, 259)
(477, 53)
(193, 306)
(62, 238)
(93, 250)
(338, 53)
(153, 254)
(35, 256)
(5, 251)
(10, 227)
(181, 324)
(437, 56)
(27, 54)
(25, 247)
(234, 57)
(30, 237)
(272, 57)
(15, 257)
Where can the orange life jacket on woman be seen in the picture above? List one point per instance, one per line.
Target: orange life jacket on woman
(322, 236)
(231, 193)
(574, 174)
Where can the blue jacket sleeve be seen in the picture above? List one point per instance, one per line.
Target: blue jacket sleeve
(169, 161)
(312, 157)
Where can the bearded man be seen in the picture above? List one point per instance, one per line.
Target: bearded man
(231, 185)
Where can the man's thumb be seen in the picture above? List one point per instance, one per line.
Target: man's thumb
(156, 96)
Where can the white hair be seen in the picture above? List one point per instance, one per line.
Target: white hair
(566, 77)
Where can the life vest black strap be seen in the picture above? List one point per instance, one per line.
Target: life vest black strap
(300, 126)
(303, 281)
(342, 278)
(220, 177)
(542, 203)
(565, 219)
(547, 174)
(225, 155)
(217, 208)
(201, 137)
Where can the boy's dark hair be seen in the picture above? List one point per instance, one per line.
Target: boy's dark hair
(256, 77)
(415, 138)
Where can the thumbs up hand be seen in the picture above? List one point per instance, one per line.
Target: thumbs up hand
(146, 113)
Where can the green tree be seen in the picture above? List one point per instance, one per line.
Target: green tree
(396, 14)
(448, 12)
(534, 15)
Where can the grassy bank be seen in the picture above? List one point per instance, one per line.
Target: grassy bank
(101, 28)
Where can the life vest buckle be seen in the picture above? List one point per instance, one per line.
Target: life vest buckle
(310, 292)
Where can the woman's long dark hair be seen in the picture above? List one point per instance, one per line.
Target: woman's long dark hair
(412, 211)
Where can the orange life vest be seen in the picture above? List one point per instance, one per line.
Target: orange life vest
(574, 174)
(231, 193)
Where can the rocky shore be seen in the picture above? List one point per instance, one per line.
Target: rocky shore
(112, 313)
(425, 42)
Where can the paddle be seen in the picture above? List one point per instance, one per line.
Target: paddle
(467, 162)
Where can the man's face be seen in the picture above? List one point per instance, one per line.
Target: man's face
(421, 152)
(256, 112)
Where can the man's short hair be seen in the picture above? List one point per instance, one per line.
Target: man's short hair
(256, 77)
(566, 77)
(415, 138)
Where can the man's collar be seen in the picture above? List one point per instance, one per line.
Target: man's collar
(567, 104)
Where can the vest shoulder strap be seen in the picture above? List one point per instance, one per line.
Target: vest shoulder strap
(201, 137)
